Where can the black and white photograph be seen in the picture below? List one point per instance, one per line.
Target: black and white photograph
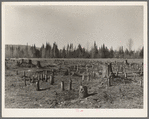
(74, 59)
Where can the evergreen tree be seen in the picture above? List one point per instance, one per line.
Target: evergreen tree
(141, 52)
(42, 51)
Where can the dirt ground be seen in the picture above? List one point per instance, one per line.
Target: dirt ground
(121, 94)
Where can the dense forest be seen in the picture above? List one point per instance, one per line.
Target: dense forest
(52, 51)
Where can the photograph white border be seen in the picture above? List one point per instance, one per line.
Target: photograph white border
(14, 112)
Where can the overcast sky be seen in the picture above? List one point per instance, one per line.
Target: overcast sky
(111, 25)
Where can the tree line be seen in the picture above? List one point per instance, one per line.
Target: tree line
(52, 51)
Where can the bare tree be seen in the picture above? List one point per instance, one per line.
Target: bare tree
(130, 44)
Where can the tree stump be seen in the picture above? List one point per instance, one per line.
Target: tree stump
(51, 80)
(137, 66)
(141, 71)
(62, 86)
(109, 81)
(125, 62)
(141, 83)
(37, 86)
(83, 77)
(40, 76)
(24, 81)
(70, 84)
(109, 68)
(77, 68)
(45, 78)
(29, 61)
(88, 77)
(67, 72)
(22, 60)
(125, 75)
(83, 93)
(32, 79)
(38, 64)
(93, 74)
(87, 69)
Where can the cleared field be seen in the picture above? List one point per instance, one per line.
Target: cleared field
(123, 92)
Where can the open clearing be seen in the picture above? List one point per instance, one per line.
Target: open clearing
(123, 93)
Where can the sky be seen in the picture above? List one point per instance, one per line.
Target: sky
(109, 25)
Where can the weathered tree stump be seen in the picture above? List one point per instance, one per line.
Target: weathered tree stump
(45, 78)
(41, 77)
(109, 81)
(125, 75)
(88, 77)
(70, 84)
(37, 86)
(83, 93)
(29, 61)
(38, 77)
(125, 62)
(38, 64)
(141, 83)
(24, 81)
(67, 72)
(62, 86)
(22, 60)
(109, 68)
(141, 71)
(83, 77)
(51, 80)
